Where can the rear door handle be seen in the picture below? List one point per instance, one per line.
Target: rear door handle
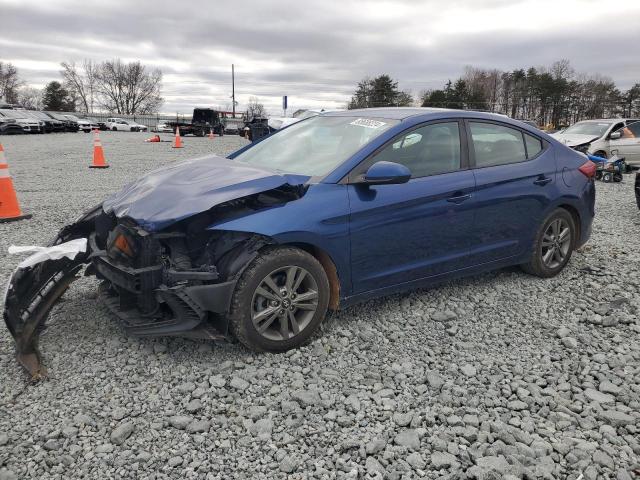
(457, 199)
(542, 180)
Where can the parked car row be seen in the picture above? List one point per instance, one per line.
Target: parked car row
(18, 121)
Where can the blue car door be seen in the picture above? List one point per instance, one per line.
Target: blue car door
(515, 182)
(417, 229)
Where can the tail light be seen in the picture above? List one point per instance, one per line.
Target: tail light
(588, 169)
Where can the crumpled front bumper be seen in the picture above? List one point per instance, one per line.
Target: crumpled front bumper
(194, 303)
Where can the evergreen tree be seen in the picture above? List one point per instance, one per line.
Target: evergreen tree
(55, 97)
(381, 91)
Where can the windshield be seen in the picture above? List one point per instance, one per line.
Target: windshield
(588, 128)
(315, 146)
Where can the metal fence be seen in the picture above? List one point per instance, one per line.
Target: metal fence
(149, 120)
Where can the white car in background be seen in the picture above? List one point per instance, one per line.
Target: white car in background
(276, 123)
(623, 142)
(595, 137)
(163, 127)
(118, 124)
(84, 124)
(141, 128)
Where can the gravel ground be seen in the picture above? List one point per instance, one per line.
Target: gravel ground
(496, 376)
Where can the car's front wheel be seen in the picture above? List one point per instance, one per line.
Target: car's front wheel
(280, 300)
(553, 245)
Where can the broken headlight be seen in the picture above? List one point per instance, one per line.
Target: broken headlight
(582, 148)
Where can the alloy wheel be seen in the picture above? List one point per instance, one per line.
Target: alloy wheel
(284, 303)
(556, 243)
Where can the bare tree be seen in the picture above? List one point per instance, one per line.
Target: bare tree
(128, 88)
(81, 81)
(9, 82)
(255, 109)
(30, 98)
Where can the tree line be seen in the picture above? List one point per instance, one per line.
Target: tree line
(113, 86)
(554, 95)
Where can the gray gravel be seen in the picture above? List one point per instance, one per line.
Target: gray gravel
(497, 376)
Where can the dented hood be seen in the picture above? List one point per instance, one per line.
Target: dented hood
(170, 194)
(573, 139)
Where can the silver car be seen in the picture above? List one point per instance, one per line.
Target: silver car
(623, 141)
(604, 138)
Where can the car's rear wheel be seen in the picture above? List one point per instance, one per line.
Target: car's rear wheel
(553, 245)
(115, 129)
(280, 300)
(601, 154)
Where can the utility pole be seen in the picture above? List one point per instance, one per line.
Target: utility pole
(233, 90)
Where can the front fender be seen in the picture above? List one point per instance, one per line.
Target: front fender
(320, 219)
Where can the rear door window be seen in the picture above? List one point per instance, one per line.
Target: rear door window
(495, 144)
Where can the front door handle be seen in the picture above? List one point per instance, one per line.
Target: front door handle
(542, 180)
(458, 199)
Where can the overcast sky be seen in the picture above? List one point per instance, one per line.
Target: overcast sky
(316, 51)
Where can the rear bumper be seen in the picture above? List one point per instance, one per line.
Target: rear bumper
(158, 301)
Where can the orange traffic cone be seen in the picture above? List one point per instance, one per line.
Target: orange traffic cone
(9, 207)
(154, 139)
(177, 143)
(98, 154)
(211, 134)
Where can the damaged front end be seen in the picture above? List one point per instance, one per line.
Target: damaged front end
(170, 276)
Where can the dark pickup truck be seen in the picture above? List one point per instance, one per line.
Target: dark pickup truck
(204, 120)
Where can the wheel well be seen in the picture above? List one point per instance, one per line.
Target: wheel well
(576, 218)
(329, 268)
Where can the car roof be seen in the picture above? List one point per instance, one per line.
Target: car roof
(403, 113)
(392, 113)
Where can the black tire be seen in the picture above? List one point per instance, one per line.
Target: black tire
(598, 175)
(537, 265)
(617, 177)
(243, 303)
(601, 154)
(607, 177)
(115, 129)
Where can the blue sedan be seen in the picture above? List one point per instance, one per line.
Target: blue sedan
(333, 210)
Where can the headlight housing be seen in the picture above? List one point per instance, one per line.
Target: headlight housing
(582, 148)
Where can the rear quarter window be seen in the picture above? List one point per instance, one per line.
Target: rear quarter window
(534, 145)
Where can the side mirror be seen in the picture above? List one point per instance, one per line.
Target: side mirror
(386, 173)
(615, 135)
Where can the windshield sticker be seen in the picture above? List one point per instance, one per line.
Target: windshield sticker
(365, 122)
